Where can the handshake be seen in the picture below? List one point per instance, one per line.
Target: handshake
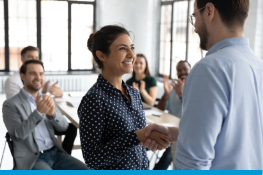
(157, 137)
(46, 105)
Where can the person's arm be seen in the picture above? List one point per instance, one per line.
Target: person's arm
(167, 89)
(11, 88)
(162, 102)
(205, 105)
(19, 129)
(151, 97)
(96, 151)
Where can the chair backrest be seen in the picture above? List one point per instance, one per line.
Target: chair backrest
(11, 146)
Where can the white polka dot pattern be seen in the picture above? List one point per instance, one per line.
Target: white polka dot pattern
(107, 124)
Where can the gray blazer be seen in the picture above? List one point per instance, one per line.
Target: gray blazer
(21, 122)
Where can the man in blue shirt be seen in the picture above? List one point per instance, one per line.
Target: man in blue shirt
(221, 125)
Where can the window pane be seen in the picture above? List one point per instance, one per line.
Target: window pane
(22, 29)
(165, 40)
(194, 51)
(2, 36)
(179, 34)
(54, 35)
(81, 28)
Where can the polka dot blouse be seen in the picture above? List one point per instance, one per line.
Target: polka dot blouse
(108, 122)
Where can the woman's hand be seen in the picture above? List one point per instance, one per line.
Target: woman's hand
(162, 140)
(136, 86)
(142, 87)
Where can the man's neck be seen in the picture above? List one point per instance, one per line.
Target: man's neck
(223, 34)
(34, 94)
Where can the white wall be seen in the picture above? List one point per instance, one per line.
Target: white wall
(139, 16)
(254, 27)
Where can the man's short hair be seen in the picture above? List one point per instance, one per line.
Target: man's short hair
(28, 48)
(24, 66)
(183, 61)
(232, 12)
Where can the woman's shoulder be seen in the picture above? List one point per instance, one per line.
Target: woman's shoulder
(150, 79)
(130, 81)
(94, 93)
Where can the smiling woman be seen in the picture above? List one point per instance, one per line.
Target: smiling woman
(112, 121)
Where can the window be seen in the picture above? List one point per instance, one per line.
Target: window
(81, 28)
(177, 38)
(22, 29)
(54, 35)
(59, 28)
(2, 36)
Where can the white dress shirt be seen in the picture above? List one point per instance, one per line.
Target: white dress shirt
(42, 136)
(13, 85)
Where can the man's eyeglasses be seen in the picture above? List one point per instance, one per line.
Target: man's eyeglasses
(192, 18)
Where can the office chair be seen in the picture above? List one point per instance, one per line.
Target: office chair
(11, 147)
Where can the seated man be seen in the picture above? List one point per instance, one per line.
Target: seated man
(172, 101)
(30, 119)
(13, 85)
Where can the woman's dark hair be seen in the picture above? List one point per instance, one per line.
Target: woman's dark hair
(102, 39)
(146, 71)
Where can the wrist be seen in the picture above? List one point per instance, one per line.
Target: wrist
(141, 134)
(165, 97)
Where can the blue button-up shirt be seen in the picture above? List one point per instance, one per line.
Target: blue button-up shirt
(42, 136)
(107, 124)
(221, 125)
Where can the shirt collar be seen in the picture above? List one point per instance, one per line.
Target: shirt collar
(228, 42)
(107, 87)
(29, 97)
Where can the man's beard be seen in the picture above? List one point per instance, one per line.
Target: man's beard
(31, 88)
(203, 35)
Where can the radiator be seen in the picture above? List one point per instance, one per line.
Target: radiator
(68, 83)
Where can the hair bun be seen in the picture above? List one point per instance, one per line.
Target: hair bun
(90, 42)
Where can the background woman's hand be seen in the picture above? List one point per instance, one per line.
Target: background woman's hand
(142, 87)
(136, 86)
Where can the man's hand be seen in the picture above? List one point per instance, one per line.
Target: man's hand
(173, 132)
(51, 111)
(162, 140)
(56, 91)
(178, 87)
(154, 140)
(166, 85)
(155, 127)
(45, 87)
(46, 105)
(150, 144)
(136, 86)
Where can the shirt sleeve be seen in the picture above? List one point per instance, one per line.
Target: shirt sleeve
(152, 82)
(11, 88)
(129, 82)
(205, 105)
(96, 151)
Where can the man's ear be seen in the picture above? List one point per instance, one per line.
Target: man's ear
(101, 56)
(210, 11)
(22, 77)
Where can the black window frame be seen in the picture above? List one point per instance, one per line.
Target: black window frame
(38, 12)
(171, 2)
